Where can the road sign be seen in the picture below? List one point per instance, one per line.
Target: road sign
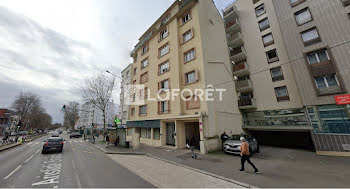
(342, 99)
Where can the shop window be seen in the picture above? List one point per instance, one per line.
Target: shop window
(156, 134)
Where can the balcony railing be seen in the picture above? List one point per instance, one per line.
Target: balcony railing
(233, 26)
(244, 86)
(230, 12)
(235, 40)
(247, 103)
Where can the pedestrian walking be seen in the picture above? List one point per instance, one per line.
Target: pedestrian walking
(192, 147)
(224, 137)
(116, 141)
(245, 155)
(107, 140)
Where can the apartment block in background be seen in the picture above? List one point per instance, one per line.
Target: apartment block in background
(123, 110)
(268, 95)
(93, 115)
(185, 48)
(317, 38)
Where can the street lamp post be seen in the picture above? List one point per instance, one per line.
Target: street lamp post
(121, 117)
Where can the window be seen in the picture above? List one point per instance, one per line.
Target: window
(133, 97)
(163, 107)
(318, 56)
(164, 85)
(192, 103)
(264, 24)
(135, 71)
(143, 110)
(310, 36)
(127, 74)
(186, 18)
(296, 2)
(164, 50)
(145, 93)
(303, 16)
(144, 77)
(132, 111)
(149, 133)
(281, 93)
(346, 2)
(187, 36)
(272, 56)
(326, 81)
(260, 10)
(255, 1)
(165, 19)
(143, 133)
(144, 63)
(145, 49)
(130, 131)
(156, 134)
(191, 77)
(163, 34)
(163, 67)
(190, 55)
(276, 74)
(268, 39)
(134, 82)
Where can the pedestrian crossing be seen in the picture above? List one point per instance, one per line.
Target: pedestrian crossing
(75, 141)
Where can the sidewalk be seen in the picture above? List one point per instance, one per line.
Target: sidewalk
(280, 167)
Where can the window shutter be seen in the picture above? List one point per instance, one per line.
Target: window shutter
(158, 86)
(197, 75)
(158, 107)
(168, 106)
(184, 79)
(192, 32)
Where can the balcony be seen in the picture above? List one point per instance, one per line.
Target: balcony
(240, 69)
(233, 26)
(245, 104)
(244, 86)
(235, 40)
(238, 54)
(330, 90)
(230, 13)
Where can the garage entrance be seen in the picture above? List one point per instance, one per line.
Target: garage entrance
(170, 134)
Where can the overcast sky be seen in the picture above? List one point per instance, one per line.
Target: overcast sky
(48, 46)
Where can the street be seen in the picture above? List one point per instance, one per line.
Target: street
(78, 166)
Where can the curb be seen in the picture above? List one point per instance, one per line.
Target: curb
(10, 146)
(241, 184)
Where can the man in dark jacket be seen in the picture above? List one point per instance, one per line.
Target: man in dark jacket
(192, 144)
(223, 138)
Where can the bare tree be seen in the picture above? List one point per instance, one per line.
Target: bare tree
(25, 104)
(98, 91)
(71, 115)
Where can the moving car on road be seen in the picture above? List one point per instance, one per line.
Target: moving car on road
(53, 144)
(75, 135)
(233, 145)
(55, 134)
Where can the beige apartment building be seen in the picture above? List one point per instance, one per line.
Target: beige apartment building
(185, 49)
(317, 38)
(291, 59)
(268, 94)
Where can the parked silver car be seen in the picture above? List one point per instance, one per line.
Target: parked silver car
(233, 145)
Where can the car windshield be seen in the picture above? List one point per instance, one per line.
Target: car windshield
(54, 139)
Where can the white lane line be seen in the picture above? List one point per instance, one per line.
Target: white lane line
(8, 176)
(78, 180)
(36, 143)
(29, 158)
(30, 143)
(37, 151)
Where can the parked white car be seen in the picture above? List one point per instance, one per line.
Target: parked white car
(233, 145)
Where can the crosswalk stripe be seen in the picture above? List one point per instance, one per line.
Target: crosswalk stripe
(36, 143)
(30, 143)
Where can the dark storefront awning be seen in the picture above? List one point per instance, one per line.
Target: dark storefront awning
(143, 124)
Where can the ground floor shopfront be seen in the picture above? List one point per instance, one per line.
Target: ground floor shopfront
(171, 132)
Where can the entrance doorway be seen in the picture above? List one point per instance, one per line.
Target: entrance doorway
(192, 130)
(170, 134)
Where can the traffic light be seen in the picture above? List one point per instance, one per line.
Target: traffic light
(19, 124)
(64, 108)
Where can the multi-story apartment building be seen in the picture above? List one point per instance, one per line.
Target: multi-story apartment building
(185, 49)
(317, 38)
(126, 80)
(268, 95)
(291, 58)
(92, 114)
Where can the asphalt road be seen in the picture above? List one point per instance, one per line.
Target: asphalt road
(80, 165)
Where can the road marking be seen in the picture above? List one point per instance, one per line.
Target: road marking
(36, 143)
(29, 158)
(8, 176)
(78, 180)
(37, 151)
(30, 143)
(51, 170)
(55, 187)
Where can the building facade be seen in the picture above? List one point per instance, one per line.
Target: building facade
(8, 121)
(185, 49)
(317, 37)
(92, 114)
(124, 109)
(269, 99)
